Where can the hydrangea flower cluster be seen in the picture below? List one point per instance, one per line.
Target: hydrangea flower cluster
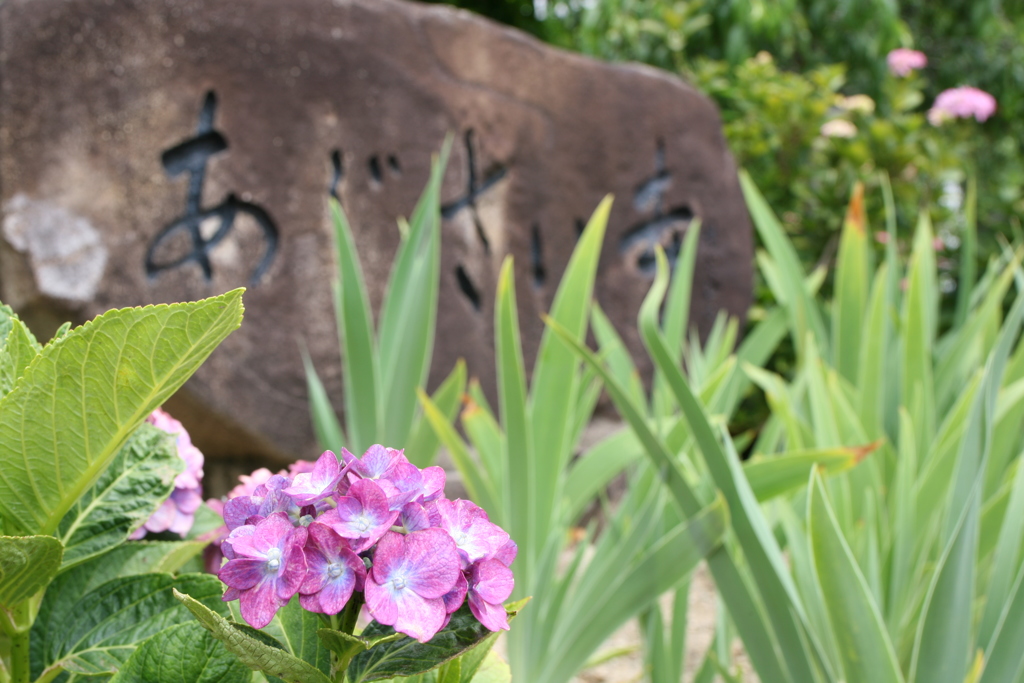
(903, 61)
(377, 525)
(177, 513)
(961, 103)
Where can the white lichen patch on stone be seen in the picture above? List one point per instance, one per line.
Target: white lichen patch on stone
(65, 252)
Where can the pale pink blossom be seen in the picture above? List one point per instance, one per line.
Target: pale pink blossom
(177, 513)
(903, 60)
(838, 128)
(961, 103)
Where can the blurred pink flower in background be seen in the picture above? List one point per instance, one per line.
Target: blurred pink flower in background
(961, 103)
(838, 128)
(903, 60)
(177, 512)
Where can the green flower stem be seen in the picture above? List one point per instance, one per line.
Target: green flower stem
(50, 674)
(346, 623)
(350, 614)
(5, 657)
(17, 624)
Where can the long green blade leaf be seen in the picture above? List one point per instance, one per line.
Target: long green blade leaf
(864, 647)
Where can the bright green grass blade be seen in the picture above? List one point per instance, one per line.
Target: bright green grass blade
(747, 610)
(804, 314)
(973, 457)
(355, 334)
(823, 418)
(485, 435)
(942, 645)
(776, 475)
(480, 489)
(904, 523)
(421, 448)
(993, 513)
(851, 288)
(1005, 561)
(55, 442)
(555, 384)
(968, 346)
(597, 467)
(519, 487)
(677, 301)
(801, 562)
(629, 589)
(325, 421)
(1004, 657)
(615, 354)
(409, 311)
(919, 320)
(865, 650)
(754, 535)
(783, 405)
(874, 354)
(968, 253)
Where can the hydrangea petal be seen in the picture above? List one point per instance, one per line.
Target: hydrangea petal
(259, 604)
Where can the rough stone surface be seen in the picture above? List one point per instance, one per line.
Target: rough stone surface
(121, 120)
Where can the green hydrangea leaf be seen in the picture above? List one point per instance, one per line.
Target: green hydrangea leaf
(138, 480)
(97, 633)
(18, 349)
(253, 650)
(186, 653)
(81, 398)
(408, 657)
(27, 565)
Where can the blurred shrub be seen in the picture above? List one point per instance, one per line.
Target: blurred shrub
(774, 108)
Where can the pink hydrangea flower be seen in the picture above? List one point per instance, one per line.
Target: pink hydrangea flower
(268, 569)
(902, 61)
(177, 513)
(490, 584)
(406, 483)
(468, 525)
(362, 516)
(333, 571)
(409, 579)
(308, 488)
(313, 529)
(375, 463)
(961, 103)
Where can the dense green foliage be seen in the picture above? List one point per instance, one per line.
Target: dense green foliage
(79, 472)
(777, 71)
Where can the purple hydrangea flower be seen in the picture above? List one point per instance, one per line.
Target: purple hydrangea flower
(490, 584)
(409, 579)
(454, 598)
(507, 553)
(267, 498)
(308, 488)
(177, 513)
(375, 463)
(414, 517)
(406, 483)
(468, 525)
(961, 103)
(362, 516)
(333, 571)
(903, 60)
(268, 569)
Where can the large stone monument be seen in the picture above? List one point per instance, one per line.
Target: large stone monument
(163, 150)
